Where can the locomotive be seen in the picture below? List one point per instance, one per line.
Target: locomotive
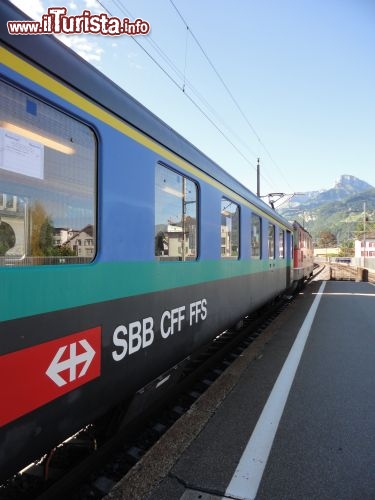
(303, 254)
(123, 248)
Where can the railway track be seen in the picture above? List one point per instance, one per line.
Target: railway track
(90, 463)
(351, 273)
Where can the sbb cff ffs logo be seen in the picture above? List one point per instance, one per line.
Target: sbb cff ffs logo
(37, 375)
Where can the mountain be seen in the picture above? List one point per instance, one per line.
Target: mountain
(338, 210)
(345, 186)
(348, 185)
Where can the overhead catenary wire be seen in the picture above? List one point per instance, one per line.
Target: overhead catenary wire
(217, 73)
(180, 74)
(234, 100)
(186, 84)
(186, 52)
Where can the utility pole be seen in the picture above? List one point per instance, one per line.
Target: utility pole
(258, 178)
(364, 234)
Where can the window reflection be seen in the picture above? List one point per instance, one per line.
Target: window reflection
(48, 182)
(271, 241)
(256, 236)
(230, 237)
(281, 244)
(175, 216)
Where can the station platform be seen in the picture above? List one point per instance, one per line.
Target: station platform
(292, 418)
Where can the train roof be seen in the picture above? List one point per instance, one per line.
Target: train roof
(70, 68)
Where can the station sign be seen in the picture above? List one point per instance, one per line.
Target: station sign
(32, 377)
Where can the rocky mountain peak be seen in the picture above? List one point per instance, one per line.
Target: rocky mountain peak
(351, 183)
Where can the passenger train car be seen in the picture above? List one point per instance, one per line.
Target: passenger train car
(303, 253)
(123, 249)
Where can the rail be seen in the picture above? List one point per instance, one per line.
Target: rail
(350, 273)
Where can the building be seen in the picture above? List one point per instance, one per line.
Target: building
(12, 226)
(82, 243)
(326, 252)
(365, 248)
(61, 235)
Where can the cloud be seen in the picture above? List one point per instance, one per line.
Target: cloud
(133, 61)
(33, 8)
(86, 48)
(93, 6)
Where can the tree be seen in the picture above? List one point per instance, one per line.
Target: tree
(41, 230)
(46, 236)
(347, 248)
(62, 251)
(369, 227)
(326, 239)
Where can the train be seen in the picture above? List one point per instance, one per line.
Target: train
(303, 254)
(123, 248)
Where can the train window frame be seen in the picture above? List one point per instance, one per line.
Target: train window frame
(291, 245)
(271, 241)
(256, 237)
(229, 248)
(55, 188)
(281, 243)
(163, 235)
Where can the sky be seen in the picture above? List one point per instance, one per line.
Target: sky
(291, 82)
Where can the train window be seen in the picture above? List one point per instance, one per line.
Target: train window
(291, 248)
(175, 216)
(230, 229)
(48, 183)
(281, 244)
(256, 236)
(271, 241)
